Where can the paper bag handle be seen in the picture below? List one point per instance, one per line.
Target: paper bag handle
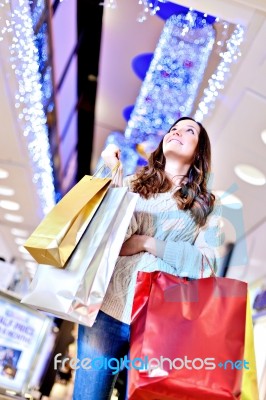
(208, 262)
(117, 179)
(110, 171)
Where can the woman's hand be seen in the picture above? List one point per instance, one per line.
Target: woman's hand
(138, 243)
(111, 155)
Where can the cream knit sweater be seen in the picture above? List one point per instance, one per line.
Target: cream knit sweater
(181, 245)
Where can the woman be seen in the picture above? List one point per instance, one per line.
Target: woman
(174, 229)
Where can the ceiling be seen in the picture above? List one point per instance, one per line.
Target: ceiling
(234, 125)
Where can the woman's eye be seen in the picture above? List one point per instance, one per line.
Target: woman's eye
(191, 130)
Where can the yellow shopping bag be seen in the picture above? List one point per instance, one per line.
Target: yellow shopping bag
(57, 235)
(249, 389)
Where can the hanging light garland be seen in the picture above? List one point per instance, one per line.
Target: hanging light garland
(218, 78)
(25, 92)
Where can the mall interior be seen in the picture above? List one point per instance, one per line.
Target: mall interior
(77, 75)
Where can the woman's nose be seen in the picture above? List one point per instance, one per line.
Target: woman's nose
(178, 133)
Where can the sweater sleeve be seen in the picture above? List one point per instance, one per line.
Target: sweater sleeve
(197, 260)
(133, 226)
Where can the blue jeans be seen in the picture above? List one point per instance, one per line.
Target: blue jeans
(107, 338)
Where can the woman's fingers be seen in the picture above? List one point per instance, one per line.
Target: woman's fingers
(111, 155)
(111, 151)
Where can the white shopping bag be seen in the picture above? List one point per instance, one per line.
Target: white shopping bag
(76, 292)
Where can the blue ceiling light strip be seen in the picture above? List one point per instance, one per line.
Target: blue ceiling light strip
(167, 9)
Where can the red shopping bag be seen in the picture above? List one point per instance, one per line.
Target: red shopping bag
(187, 338)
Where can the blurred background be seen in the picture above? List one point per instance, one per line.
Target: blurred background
(76, 75)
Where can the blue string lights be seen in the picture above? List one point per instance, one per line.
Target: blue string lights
(37, 9)
(172, 81)
(25, 92)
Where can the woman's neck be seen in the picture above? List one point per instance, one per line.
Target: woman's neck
(175, 171)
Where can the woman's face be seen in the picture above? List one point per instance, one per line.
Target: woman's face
(182, 140)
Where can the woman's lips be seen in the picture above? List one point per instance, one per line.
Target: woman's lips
(175, 139)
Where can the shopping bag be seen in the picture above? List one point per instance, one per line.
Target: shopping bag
(249, 387)
(55, 238)
(76, 292)
(187, 338)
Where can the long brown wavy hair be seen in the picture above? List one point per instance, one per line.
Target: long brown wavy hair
(193, 194)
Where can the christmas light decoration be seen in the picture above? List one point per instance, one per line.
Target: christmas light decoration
(23, 80)
(217, 80)
(172, 81)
